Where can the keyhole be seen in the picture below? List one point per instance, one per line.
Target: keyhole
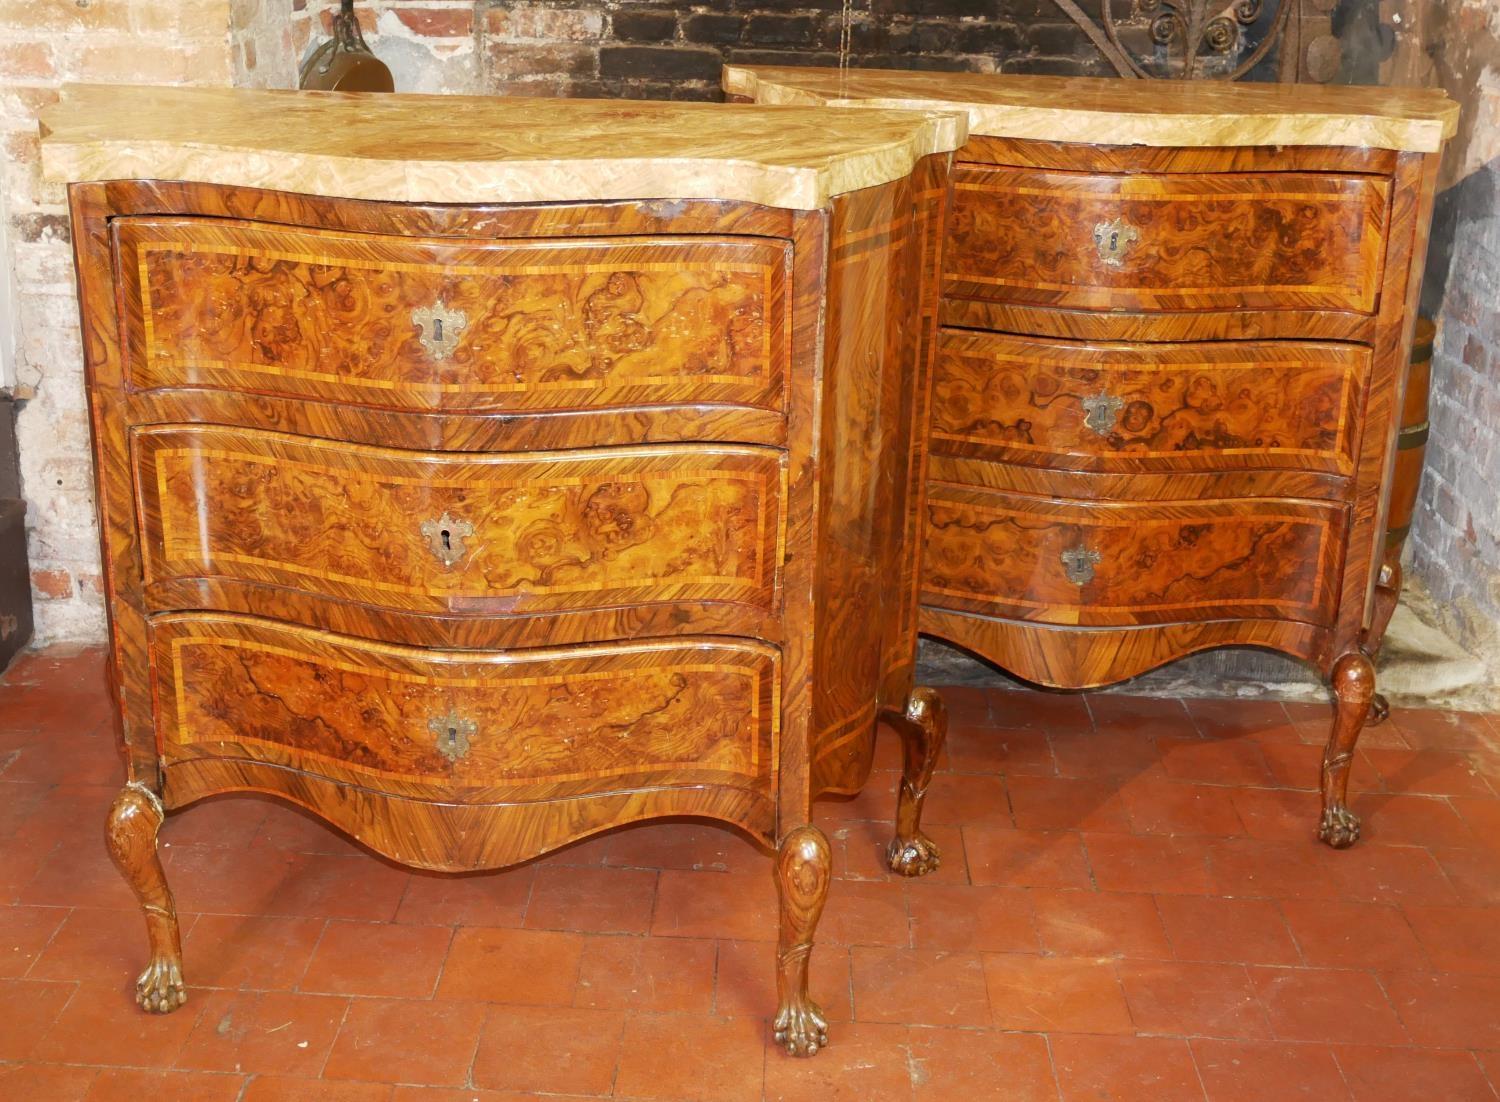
(453, 738)
(1114, 246)
(447, 543)
(437, 335)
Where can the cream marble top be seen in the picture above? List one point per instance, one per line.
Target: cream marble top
(1127, 112)
(469, 149)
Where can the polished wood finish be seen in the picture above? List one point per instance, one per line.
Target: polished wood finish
(130, 833)
(634, 536)
(923, 727)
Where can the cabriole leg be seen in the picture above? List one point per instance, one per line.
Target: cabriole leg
(923, 726)
(1353, 683)
(1387, 593)
(131, 835)
(803, 868)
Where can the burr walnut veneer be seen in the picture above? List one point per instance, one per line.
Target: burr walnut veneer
(1175, 321)
(564, 486)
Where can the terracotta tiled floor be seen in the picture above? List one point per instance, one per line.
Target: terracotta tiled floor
(1131, 907)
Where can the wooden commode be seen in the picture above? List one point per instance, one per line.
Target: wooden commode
(1175, 320)
(482, 474)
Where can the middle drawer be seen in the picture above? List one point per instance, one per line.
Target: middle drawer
(426, 531)
(1149, 407)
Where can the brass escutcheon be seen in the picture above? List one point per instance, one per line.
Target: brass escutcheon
(1114, 239)
(440, 328)
(1100, 411)
(445, 536)
(1079, 563)
(453, 733)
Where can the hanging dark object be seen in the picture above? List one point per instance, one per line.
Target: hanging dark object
(1213, 39)
(344, 63)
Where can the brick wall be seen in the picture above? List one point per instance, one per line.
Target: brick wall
(42, 44)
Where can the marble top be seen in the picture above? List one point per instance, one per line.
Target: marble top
(1127, 112)
(472, 149)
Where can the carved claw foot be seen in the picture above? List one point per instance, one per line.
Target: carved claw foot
(801, 1028)
(922, 725)
(1380, 710)
(916, 856)
(1339, 828)
(160, 989)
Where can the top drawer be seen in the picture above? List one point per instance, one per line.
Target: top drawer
(1167, 242)
(455, 324)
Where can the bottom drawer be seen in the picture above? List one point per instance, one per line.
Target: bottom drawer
(467, 725)
(1088, 563)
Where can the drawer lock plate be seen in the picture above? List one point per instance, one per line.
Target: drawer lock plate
(445, 536)
(1101, 411)
(440, 328)
(1114, 239)
(1079, 563)
(453, 733)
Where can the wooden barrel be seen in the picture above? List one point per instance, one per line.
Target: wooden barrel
(1411, 444)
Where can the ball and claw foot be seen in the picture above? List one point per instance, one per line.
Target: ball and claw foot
(800, 1028)
(1380, 711)
(1339, 828)
(916, 856)
(160, 989)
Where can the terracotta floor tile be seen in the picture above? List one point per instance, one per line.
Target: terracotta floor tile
(404, 1041)
(406, 1093)
(361, 888)
(1177, 807)
(962, 799)
(919, 987)
(49, 1082)
(1277, 814)
(867, 912)
(683, 844)
(1224, 718)
(78, 874)
(1298, 765)
(594, 901)
(478, 899)
(716, 905)
(1214, 761)
(876, 800)
(259, 951)
(968, 705)
(1047, 711)
(1482, 817)
(270, 1088)
(294, 830)
(230, 821)
(1373, 873)
(1431, 772)
(1149, 863)
(1105, 754)
(1276, 870)
(1268, 1071)
(745, 986)
(1098, 924)
(221, 880)
(1336, 934)
(672, 1059)
(653, 975)
(1062, 994)
(262, 1033)
(1007, 751)
(963, 1065)
(860, 847)
(354, 958)
(1211, 928)
(550, 1049)
(1176, 997)
(863, 1063)
(1026, 858)
(1438, 729)
(20, 1033)
(1066, 803)
(132, 1085)
(1411, 820)
(960, 918)
(102, 1025)
(524, 967)
(1446, 1010)
(1474, 874)
(1149, 715)
(107, 946)
(24, 934)
(1413, 1075)
(1125, 1069)
(1333, 1006)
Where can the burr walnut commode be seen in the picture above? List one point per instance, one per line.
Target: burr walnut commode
(482, 474)
(1175, 322)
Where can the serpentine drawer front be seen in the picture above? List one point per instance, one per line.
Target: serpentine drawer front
(478, 527)
(1166, 398)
